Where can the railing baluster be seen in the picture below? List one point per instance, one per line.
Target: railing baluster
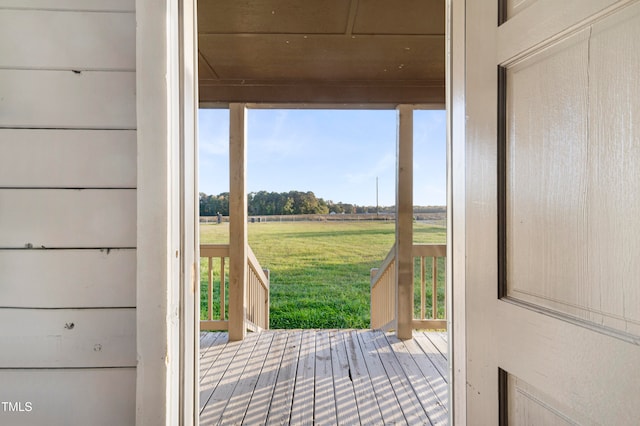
(267, 274)
(210, 290)
(249, 294)
(434, 291)
(423, 279)
(253, 299)
(223, 305)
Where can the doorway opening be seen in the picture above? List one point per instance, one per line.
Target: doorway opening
(324, 373)
(321, 209)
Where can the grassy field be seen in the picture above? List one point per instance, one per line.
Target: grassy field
(320, 270)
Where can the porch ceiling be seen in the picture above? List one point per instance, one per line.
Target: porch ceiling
(321, 51)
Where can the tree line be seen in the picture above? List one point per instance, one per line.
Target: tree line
(264, 203)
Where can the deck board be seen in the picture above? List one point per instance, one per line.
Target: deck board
(380, 381)
(409, 402)
(368, 409)
(345, 398)
(302, 377)
(436, 381)
(238, 403)
(324, 411)
(439, 342)
(427, 396)
(303, 396)
(280, 408)
(263, 393)
(210, 377)
(231, 365)
(440, 362)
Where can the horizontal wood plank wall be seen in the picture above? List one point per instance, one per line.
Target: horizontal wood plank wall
(68, 99)
(58, 218)
(97, 278)
(69, 338)
(97, 397)
(104, 43)
(40, 158)
(73, 5)
(68, 211)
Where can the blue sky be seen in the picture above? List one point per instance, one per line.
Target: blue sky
(337, 154)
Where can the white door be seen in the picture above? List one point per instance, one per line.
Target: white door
(552, 210)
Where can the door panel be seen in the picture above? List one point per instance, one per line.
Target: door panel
(592, 373)
(546, 155)
(559, 221)
(572, 170)
(614, 170)
(527, 404)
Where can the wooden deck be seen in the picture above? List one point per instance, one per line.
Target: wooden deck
(323, 377)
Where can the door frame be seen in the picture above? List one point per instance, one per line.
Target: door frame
(456, 211)
(167, 324)
(167, 230)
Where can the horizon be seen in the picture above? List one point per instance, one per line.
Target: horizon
(336, 154)
(337, 202)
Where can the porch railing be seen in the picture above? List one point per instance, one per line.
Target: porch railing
(383, 293)
(216, 295)
(257, 294)
(216, 266)
(430, 256)
(429, 312)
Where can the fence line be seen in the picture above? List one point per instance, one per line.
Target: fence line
(430, 217)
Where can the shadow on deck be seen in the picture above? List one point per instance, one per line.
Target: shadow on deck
(327, 377)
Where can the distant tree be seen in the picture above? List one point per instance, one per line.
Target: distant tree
(348, 208)
(223, 203)
(287, 208)
(322, 207)
(308, 203)
(204, 205)
(261, 203)
(287, 203)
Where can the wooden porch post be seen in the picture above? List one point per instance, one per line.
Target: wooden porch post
(237, 222)
(404, 223)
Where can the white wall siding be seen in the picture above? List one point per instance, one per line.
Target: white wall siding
(73, 5)
(98, 278)
(67, 99)
(67, 158)
(98, 41)
(68, 338)
(62, 218)
(96, 397)
(68, 155)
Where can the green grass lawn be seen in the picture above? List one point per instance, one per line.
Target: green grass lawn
(320, 270)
